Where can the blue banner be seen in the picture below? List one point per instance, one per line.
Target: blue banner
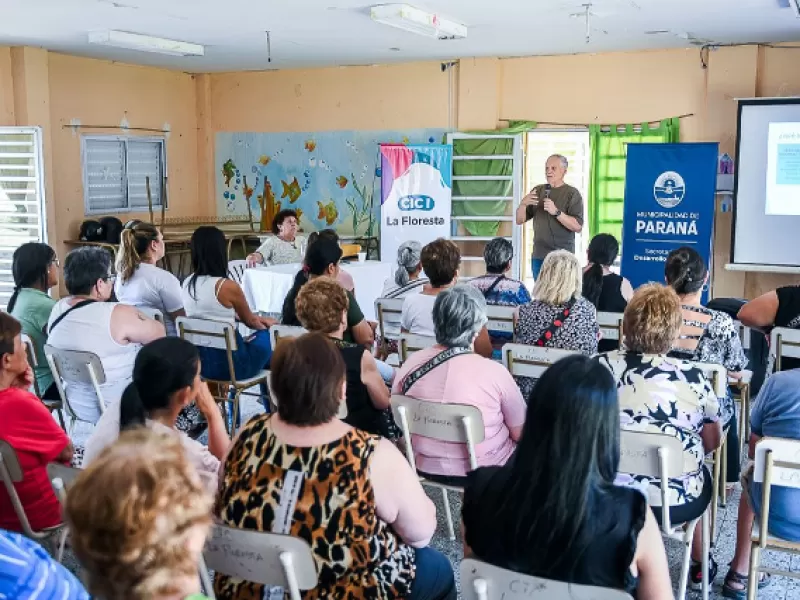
(669, 203)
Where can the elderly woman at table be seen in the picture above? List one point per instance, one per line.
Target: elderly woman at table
(285, 246)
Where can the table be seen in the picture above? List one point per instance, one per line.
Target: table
(267, 287)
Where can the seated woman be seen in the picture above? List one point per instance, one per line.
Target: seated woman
(406, 281)
(558, 317)
(322, 260)
(440, 261)
(138, 519)
(285, 246)
(553, 510)
(322, 308)
(28, 428)
(707, 336)
(166, 379)
(209, 294)
(357, 501)
(139, 281)
(601, 286)
(35, 270)
(498, 289)
(344, 278)
(661, 394)
(86, 321)
(451, 372)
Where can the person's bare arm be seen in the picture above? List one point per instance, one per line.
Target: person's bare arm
(129, 325)
(760, 312)
(256, 258)
(400, 500)
(218, 440)
(65, 457)
(650, 562)
(569, 222)
(531, 199)
(711, 434)
(515, 432)
(483, 344)
(371, 378)
(231, 296)
(363, 334)
(626, 289)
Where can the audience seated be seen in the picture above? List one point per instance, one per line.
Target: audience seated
(28, 572)
(601, 286)
(166, 379)
(558, 317)
(777, 308)
(138, 519)
(707, 336)
(209, 294)
(285, 246)
(344, 278)
(440, 261)
(86, 321)
(356, 500)
(553, 510)
(497, 288)
(407, 281)
(776, 414)
(322, 308)
(451, 372)
(35, 271)
(322, 260)
(28, 428)
(661, 394)
(139, 281)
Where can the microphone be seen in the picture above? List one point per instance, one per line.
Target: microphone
(547, 188)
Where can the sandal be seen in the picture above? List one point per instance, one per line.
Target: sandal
(696, 573)
(740, 593)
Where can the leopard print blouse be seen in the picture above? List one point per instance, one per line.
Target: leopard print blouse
(357, 554)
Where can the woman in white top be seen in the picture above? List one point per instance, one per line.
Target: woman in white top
(86, 321)
(166, 379)
(285, 247)
(209, 294)
(440, 259)
(139, 281)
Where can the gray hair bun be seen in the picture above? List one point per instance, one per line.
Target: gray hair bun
(409, 255)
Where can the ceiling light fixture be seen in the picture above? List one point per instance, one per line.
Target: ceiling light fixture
(145, 43)
(414, 20)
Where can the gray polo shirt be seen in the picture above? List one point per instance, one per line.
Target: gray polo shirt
(548, 233)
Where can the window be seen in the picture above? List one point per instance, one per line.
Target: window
(22, 216)
(574, 145)
(115, 173)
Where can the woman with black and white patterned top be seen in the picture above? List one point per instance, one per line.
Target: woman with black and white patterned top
(558, 316)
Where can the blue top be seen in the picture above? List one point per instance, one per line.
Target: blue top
(28, 571)
(777, 414)
(507, 292)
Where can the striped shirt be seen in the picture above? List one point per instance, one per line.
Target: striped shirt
(27, 572)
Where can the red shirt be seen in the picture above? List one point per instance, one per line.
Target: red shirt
(30, 429)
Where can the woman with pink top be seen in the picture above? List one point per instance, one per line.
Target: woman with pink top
(451, 373)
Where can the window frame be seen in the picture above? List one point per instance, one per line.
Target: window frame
(124, 139)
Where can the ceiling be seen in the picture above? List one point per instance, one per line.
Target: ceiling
(339, 32)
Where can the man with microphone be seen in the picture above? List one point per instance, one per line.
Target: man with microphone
(557, 212)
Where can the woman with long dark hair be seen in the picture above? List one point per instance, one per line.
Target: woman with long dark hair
(601, 286)
(553, 510)
(35, 271)
(166, 379)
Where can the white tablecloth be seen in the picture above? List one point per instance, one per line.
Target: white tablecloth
(266, 287)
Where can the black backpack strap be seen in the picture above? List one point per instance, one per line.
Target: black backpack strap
(429, 365)
(80, 304)
(495, 283)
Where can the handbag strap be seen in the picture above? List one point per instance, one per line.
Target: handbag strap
(63, 315)
(495, 283)
(548, 333)
(425, 368)
(406, 288)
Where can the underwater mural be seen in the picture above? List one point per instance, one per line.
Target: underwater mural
(331, 178)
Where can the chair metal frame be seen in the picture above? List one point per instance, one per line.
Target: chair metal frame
(277, 332)
(33, 361)
(260, 557)
(523, 360)
(482, 581)
(459, 423)
(221, 335)
(661, 455)
(777, 463)
(383, 307)
(11, 473)
(412, 342)
(610, 325)
(502, 318)
(153, 313)
(783, 342)
(95, 375)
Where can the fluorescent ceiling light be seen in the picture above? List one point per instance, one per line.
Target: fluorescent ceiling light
(415, 20)
(145, 43)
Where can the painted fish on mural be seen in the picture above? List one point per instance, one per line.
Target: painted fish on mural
(228, 171)
(328, 212)
(291, 190)
(263, 160)
(311, 145)
(341, 181)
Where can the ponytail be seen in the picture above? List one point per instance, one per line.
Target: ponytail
(593, 283)
(134, 243)
(131, 410)
(13, 300)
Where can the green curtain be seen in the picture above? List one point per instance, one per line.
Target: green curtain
(607, 170)
(499, 167)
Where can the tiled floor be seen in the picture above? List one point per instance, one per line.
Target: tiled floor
(780, 589)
